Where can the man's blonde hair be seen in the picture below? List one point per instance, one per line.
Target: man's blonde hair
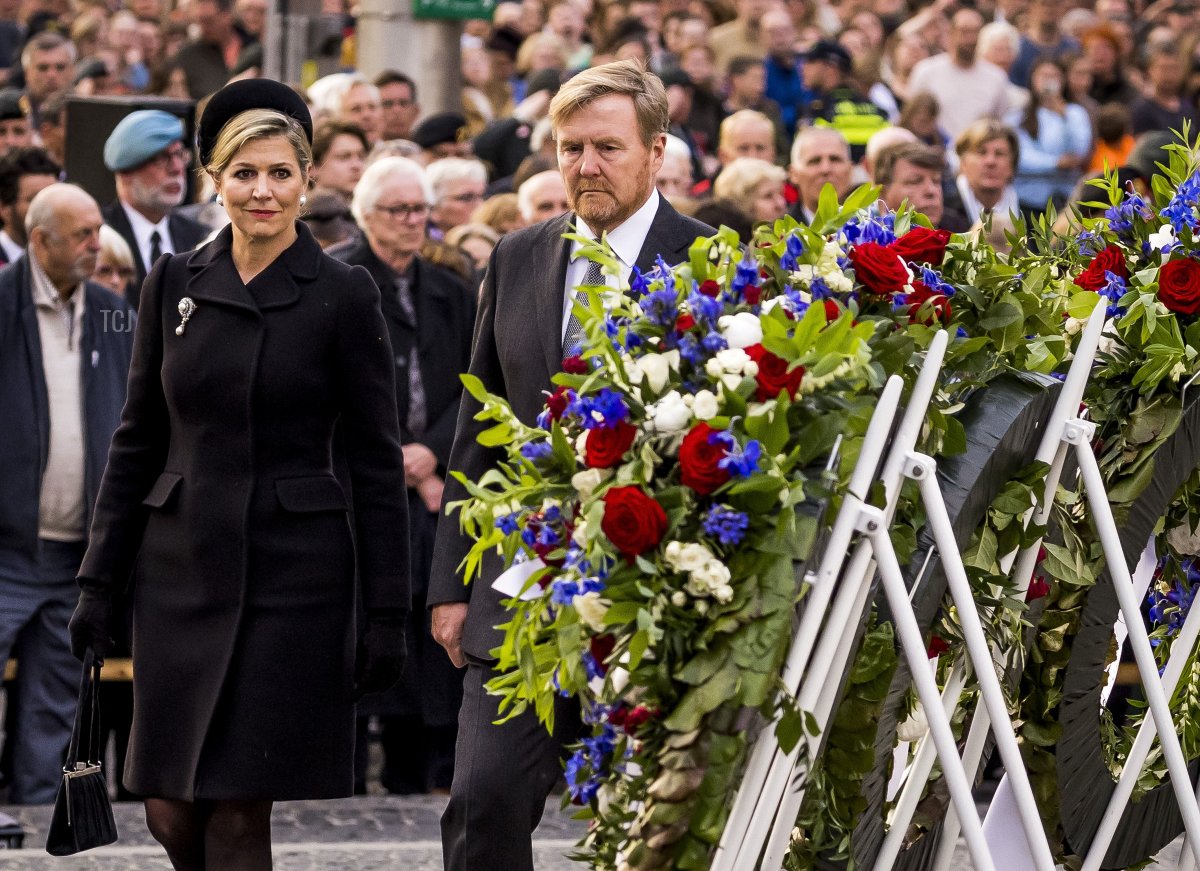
(627, 77)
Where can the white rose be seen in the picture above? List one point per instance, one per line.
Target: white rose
(915, 727)
(704, 405)
(657, 369)
(693, 556)
(723, 593)
(670, 413)
(1164, 238)
(732, 360)
(671, 553)
(587, 481)
(679, 598)
(741, 330)
(591, 610)
(713, 573)
(1073, 325)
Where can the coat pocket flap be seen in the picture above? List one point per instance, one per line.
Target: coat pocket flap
(162, 491)
(314, 493)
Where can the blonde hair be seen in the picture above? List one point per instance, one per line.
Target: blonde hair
(255, 124)
(626, 77)
(114, 248)
(740, 179)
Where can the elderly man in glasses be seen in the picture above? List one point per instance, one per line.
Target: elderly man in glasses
(146, 154)
(430, 314)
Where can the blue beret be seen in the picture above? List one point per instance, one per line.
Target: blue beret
(140, 136)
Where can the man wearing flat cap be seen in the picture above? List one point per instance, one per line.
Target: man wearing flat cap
(15, 131)
(836, 102)
(442, 135)
(149, 160)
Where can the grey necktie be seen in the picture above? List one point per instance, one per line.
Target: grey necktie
(416, 418)
(573, 338)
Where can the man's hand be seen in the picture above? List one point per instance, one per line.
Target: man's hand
(430, 491)
(419, 464)
(448, 621)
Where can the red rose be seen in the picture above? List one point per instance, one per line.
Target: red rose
(922, 245)
(937, 646)
(601, 648)
(921, 294)
(753, 294)
(575, 366)
(710, 288)
(633, 521)
(773, 375)
(605, 446)
(636, 718)
(1111, 259)
(557, 402)
(832, 310)
(1038, 588)
(879, 268)
(684, 322)
(698, 459)
(1179, 286)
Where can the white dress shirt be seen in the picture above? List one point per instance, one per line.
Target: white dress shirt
(12, 250)
(143, 230)
(626, 242)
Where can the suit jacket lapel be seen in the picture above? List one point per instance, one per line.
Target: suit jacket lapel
(33, 353)
(548, 266)
(214, 277)
(668, 237)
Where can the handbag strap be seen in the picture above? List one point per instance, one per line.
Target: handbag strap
(89, 702)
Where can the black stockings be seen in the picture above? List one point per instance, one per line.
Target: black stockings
(212, 835)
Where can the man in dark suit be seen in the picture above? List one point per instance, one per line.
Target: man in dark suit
(429, 313)
(24, 173)
(65, 347)
(147, 156)
(610, 126)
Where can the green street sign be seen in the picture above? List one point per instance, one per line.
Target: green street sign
(456, 9)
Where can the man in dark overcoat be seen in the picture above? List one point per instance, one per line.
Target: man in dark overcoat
(429, 313)
(220, 508)
(149, 162)
(65, 347)
(610, 126)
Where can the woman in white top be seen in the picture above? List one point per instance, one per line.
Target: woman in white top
(1055, 138)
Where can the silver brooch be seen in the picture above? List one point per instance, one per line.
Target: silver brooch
(187, 308)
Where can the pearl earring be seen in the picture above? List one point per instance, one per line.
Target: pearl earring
(219, 200)
(303, 199)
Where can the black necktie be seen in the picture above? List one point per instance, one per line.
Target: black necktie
(155, 247)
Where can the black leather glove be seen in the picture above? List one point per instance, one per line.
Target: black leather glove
(381, 655)
(93, 625)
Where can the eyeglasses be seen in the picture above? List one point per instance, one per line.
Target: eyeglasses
(405, 211)
(396, 104)
(166, 156)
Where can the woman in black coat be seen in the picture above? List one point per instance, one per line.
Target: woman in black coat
(220, 509)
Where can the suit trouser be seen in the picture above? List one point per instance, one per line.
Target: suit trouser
(502, 777)
(33, 628)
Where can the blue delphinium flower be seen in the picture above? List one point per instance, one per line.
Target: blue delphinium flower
(690, 350)
(745, 274)
(714, 342)
(740, 462)
(793, 303)
(563, 591)
(639, 285)
(507, 523)
(1088, 243)
(1181, 210)
(1169, 608)
(794, 247)
(607, 408)
(537, 450)
(726, 525)
(705, 309)
(664, 272)
(870, 228)
(1120, 217)
(661, 307)
(1114, 288)
(932, 279)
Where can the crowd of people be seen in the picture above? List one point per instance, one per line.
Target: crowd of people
(964, 111)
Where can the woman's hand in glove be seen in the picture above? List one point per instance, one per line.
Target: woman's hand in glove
(381, 655)
(92, 625)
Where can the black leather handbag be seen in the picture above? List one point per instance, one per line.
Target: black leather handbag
(83, 815)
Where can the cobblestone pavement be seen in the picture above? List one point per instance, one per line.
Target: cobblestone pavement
(361, 834)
